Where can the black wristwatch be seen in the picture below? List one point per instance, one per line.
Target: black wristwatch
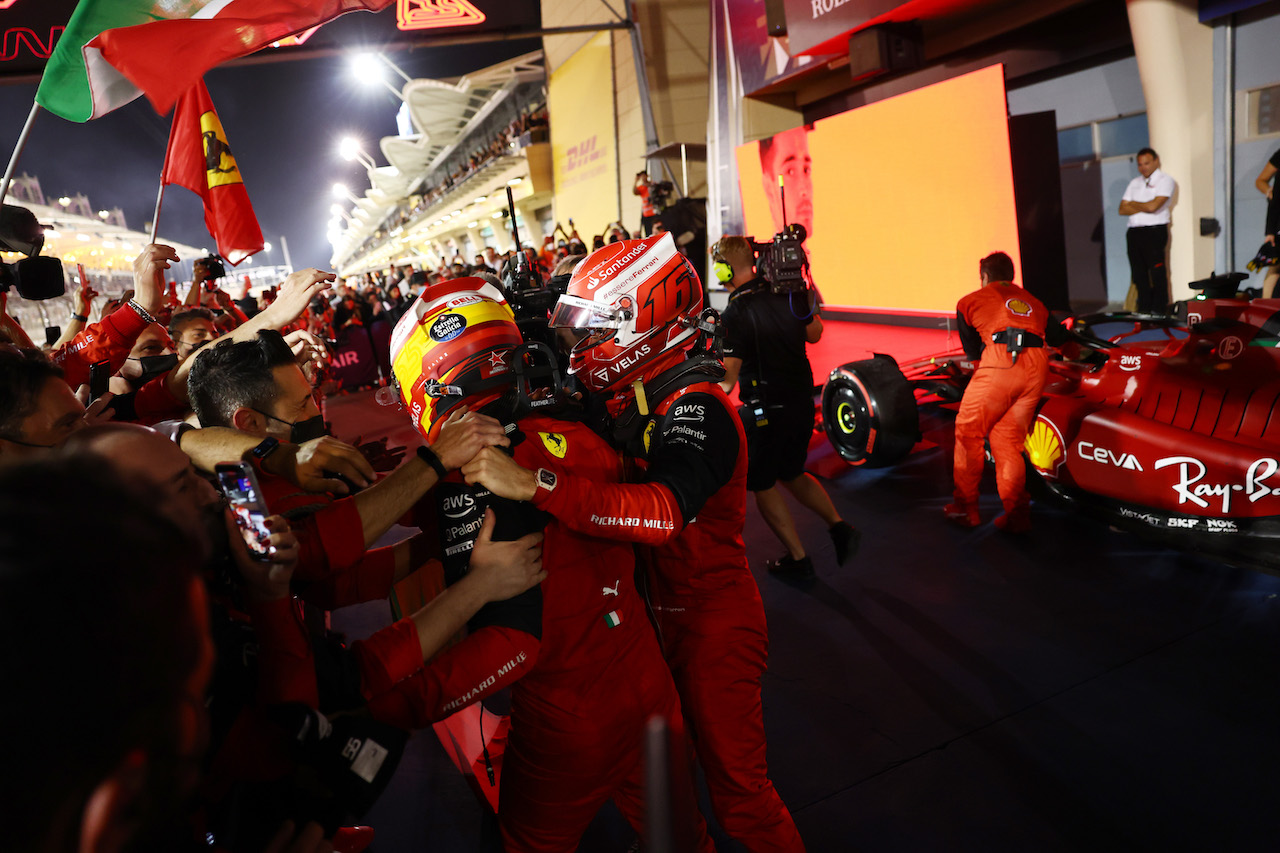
(427, 455)
(265, 448)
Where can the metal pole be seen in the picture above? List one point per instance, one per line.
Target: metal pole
(1229, 154)
(642, 79)
(155, 217)
(17, 150)
(284, 247)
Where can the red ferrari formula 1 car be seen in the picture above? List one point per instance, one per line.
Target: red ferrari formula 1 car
(1161, 425)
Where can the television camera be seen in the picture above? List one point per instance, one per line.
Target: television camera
(34, 277)
(530, 299)
(782, 261)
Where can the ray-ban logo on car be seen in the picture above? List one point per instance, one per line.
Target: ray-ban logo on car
(1192, 486)
(447, 327)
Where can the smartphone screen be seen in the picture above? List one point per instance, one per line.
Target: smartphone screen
(99, 379)
(238, 482)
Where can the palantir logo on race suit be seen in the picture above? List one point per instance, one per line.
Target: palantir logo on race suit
(1192, 487)
(447, 327)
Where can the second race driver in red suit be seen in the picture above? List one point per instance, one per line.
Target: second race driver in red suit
(588, 673)
(639, 303)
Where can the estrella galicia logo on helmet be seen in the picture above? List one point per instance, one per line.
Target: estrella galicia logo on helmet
(447, 327)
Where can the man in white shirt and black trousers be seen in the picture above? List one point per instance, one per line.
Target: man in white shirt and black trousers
(1146, 203)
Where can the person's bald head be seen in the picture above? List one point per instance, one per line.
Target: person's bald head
(156, 464)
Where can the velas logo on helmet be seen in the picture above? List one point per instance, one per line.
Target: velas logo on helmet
(448, 327)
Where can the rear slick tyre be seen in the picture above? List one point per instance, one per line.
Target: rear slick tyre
(869, 412)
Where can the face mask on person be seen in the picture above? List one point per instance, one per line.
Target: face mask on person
(300, 432)
(153, 366)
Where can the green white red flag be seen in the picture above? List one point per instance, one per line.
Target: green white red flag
(200, 159)
(112, 51)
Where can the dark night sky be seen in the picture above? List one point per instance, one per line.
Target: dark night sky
(283, 120)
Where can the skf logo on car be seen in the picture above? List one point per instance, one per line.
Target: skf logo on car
(1091, 451)
(1130, 362)
(1191, 487)
(1018, 307)
(1183, 522)
(1044, 447)
(447, 327)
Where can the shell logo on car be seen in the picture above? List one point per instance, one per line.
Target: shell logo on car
(1044, 447)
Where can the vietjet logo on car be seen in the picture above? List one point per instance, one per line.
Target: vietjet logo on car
(1044, 447)
(1097, 453)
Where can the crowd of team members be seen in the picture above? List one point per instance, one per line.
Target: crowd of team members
(176, 730)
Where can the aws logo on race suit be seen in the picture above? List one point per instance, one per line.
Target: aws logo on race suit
(220, 166)
(458, 506)
(460, 517)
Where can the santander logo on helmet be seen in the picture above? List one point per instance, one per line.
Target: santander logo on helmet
(636, 299)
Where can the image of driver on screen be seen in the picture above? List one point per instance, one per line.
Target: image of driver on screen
(786, 154)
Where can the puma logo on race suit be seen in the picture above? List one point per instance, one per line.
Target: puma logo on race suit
(607, 591)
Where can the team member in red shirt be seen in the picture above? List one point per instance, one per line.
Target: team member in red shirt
(640, 303)
(1004, 326)
(590, 673)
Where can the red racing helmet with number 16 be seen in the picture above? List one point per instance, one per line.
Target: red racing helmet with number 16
(635, 300)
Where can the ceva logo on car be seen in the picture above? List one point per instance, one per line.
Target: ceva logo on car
(1095, 453)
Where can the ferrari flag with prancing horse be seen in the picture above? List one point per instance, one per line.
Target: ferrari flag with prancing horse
(200, 159)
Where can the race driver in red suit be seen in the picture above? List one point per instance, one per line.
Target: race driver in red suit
(640, 304)
(588, 673)
(1004, 326)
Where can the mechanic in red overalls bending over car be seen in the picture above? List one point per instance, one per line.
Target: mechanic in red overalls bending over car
(1003, 327)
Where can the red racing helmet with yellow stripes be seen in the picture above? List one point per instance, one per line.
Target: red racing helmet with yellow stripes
(453, 348)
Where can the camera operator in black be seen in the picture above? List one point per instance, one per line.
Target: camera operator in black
(764, 346)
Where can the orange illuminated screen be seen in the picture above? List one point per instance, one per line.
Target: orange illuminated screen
(906, 195)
